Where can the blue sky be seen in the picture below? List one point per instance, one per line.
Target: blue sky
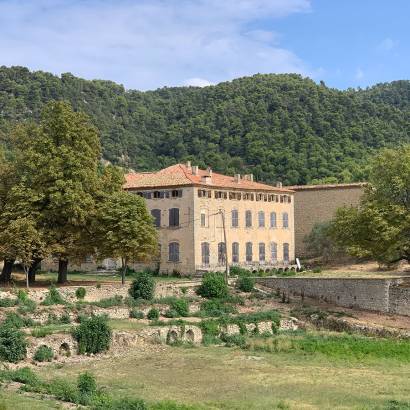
(146, 44)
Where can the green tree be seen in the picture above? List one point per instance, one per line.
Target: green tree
(380, 227)
(59, 184)
(125, 229)
(22, 242)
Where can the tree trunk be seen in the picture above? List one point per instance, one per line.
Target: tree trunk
(124, 270)
(33, 270)
(6, 272)
(62, 271)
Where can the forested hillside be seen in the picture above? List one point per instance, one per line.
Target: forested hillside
(280, 127)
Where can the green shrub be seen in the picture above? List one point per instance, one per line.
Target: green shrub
(238, 271)
(171, 405)
(136, 314)
(53, 297)
(116, 300)
(26, 306)
(65, 318)
(44, 354)
(317, 269)
(246, 284)
(13, 345)
(213, 286)
(15, 320)
(86, 384)
(180, 306)
(25, 375)
(22, 296)
(143, 287)
(41, 332)
(80, 293)
(129, 404)
(153, 314)
(171, 313)
(216, 308)
(8, 302)
(93, 335)
(64, 390)
(234, 340)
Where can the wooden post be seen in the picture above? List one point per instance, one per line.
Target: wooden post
(226, 246)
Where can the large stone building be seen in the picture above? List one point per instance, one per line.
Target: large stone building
(318, 203)
(190, 207)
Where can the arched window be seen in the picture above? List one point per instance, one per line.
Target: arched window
(285, 220)
(156, 214)
(248, 251)
(173, 250)
(174, 217)
(205, 253)
(203, 218)
(273, 219)
(286, 252)
(274, 251)
(235, 252)
(261, 252)
(248, 219)
(261, 219)
(235, 218)
(221, 253)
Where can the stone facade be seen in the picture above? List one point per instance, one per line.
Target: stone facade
(256, 217)
(318, 203)
(382, 295)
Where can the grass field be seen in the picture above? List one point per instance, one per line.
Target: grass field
(230, 378)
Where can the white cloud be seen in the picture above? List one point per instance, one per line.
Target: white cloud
(387, 44)
(147, 43)
(359, 74)
(197, 82)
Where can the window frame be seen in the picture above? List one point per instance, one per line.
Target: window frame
(174, 249)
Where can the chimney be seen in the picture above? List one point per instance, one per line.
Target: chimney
(248, 177)
(194, 169)
(237, 178)
(279, 184)
(188, 164)
(206, 179)
(209, 170)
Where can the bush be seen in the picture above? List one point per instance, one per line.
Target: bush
(15, 320)
(63, 390)
(234, 340)
(143, 287)
(93, 335)
(246, 284)
(65, 318)
(27, 306)
(41, 332)
(216, 308)
(136, 314)
(171, 405)
(44, 354)
(238, 271)
(80, 293)
(13, 345)
(25, 375)
(86, 384)
(116, 300)
(129, 404)
(317, 269)
(53, 297)
(153, 314)
(213, 286)
(180, 306)
(7, 302)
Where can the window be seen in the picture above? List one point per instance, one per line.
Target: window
(221, 253)
(235, 252)
(235, 218)
(261, 252)
(221, 195)
(157, 194)
(235, 195)
(176, 193)
(286, 252)
(205, 253)
(248, 251)
(248, 219)
(203, 218)
(174, 217)
(261, 219)
(285, 220)
(273, 219)
(274, 251)
(173, 249)
(156, 214)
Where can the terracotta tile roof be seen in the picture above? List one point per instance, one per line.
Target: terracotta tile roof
(181, 174)
(327, 186)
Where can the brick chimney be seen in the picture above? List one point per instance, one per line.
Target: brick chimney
(278, 184)
(237, 178)
(209, 170)
(195, 169)
(248, 177)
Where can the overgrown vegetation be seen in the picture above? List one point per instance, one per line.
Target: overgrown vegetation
(143, 287)
(43, 354)
(53, 297)
(13, 345)
(246, 284)
(93, 335)
(80, 293)
(213, 286)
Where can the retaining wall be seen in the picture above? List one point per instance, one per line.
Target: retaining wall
(382, 295)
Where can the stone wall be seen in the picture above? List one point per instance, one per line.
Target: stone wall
(382, 295)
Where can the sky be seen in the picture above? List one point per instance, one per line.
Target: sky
(147, 44)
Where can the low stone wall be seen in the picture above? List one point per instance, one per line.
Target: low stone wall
(382, 295)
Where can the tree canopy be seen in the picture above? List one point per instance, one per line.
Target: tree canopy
(278, 127)
(380, 227)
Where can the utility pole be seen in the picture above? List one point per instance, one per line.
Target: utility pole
(226, 246)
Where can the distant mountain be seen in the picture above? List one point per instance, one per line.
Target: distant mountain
(279, 127)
